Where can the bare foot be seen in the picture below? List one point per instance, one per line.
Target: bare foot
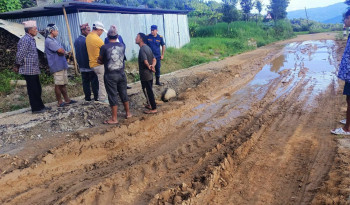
(128, 116)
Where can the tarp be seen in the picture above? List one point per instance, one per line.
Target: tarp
(18, 30)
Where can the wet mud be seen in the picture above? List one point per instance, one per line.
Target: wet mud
(251, 129)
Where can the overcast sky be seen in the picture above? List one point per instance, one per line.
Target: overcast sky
(301, 4)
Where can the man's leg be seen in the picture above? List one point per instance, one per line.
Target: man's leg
(150, 94)
(63, 89)
(58, 94)
(94, 84)
(34, 92)
(102, 95)
(111, 89)
(347, 125)
(114, 115)
(158, 65)
(122, 90)
(85, 76)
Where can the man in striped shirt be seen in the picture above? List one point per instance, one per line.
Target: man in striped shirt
(27, 64)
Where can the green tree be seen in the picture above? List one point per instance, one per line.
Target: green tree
(258, 6)
(230, 13)
(10, 5)
(27, 3)
(247, 6)
(278, 9)
(230, 2)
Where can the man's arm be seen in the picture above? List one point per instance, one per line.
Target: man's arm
(163, 48)
(60, 52)
(22, 50)
(153, 66)
(55, 47)
(163, 51)
(100, 57)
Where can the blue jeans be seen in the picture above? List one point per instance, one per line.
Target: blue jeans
(158, 67)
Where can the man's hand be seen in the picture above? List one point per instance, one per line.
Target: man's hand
(15, 68)
(161, 57)
(151, 67)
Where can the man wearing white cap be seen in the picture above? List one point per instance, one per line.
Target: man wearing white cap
(93, 46)
(27, 64)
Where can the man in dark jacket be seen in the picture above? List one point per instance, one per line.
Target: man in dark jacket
(88, 76)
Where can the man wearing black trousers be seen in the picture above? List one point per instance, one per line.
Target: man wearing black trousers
(27, 64)
(88, 76)
(147, 64)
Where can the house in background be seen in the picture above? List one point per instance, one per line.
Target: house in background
(172, 24)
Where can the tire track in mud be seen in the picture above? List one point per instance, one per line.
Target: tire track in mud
(139, 162)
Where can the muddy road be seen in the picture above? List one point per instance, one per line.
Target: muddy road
(250, 129)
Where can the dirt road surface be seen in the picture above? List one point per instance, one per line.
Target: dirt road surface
(250, 129)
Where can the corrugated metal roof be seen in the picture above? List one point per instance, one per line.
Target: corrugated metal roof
(18, 30)
(75, 6)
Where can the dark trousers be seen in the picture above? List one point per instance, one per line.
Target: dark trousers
(147, 90)
(90, 79)
(116, 84)
(34, 92)
(157, 67)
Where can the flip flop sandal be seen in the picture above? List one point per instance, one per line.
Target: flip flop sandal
(343, 121)
(63, 104)
(340, 131)
(108, 123)
(72, 102)
(148, 107)
(150, 112)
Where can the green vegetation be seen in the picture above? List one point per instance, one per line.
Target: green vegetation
(10, 5)
(308, 26)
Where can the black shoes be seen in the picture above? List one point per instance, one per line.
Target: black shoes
(42, 110)
(158, 82)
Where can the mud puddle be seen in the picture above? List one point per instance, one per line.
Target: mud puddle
(312, 62)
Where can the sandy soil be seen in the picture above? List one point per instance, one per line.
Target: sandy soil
(250, 129)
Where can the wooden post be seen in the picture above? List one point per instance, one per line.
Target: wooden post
(71, 42)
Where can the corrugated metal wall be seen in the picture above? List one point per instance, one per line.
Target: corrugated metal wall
(174, 27)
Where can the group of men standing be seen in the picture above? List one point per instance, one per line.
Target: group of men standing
(101, 64)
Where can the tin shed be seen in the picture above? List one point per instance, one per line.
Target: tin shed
(172, 24)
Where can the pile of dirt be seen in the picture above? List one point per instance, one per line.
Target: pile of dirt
(8, 50)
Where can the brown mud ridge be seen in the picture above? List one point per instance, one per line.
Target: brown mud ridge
(250, 129)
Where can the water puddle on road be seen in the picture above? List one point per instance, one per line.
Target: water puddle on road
(309, 62)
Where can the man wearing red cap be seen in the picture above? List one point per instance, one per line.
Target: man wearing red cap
(88, 76)
(27, 64)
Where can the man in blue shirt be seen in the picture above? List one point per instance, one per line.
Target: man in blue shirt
(154, 41)
(88, 76)
(58, 65)
(27, 64)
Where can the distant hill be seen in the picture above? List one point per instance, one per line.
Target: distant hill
(328, 14)
(337, 19)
